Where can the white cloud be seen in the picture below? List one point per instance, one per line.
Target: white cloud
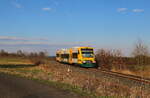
(122, 9)
(138, 10)
(126, 10)
(47, 9)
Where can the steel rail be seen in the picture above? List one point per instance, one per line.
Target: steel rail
(131, 77)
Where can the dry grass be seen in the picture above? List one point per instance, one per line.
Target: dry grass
(123, 71)
(101, 86)
(143, 71)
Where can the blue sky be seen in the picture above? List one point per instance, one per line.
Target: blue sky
(34, 25)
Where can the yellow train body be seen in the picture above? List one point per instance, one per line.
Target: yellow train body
(83, 56)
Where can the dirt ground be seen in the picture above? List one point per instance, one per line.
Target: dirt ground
(15, 87)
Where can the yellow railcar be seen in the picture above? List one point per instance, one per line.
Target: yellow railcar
(83, 56)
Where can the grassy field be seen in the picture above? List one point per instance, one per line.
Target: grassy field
(14, 61)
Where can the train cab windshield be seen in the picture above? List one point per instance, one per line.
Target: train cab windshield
(87, 53)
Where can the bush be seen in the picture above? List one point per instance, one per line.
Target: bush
(38, 58)
(108, 59)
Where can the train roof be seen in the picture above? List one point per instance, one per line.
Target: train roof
(75, 47)
(66, 49)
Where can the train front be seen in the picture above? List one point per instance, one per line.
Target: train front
(87, 57)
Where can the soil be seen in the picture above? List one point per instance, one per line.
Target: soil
(16, 87)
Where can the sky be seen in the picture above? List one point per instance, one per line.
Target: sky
(37, 25)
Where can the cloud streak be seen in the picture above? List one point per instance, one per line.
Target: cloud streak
(24, 43)
(11, 40)
(126, 10)
(39, 43)
(138, 10)
(20, 38)
(47, 9)
(122, 9)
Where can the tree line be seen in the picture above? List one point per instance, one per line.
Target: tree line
(108, 59)
(20, 53)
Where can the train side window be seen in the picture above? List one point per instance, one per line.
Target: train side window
(66, 55)
(57, 55)
(75, 55)
(62, 55)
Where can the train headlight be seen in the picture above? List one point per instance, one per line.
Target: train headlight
(84, 61)
(94, 61)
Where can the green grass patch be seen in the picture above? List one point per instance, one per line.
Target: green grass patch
(13, 60)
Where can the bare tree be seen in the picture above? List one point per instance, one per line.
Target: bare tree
(3, 53)
(140, 49)
(141, 53)
(20, 53)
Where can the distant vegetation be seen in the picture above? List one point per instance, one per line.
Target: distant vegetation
(36, 58)
(113, 59)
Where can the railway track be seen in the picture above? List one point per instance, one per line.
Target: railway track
(99, 72)
(121, 75)
(137, 79)
(131, 77)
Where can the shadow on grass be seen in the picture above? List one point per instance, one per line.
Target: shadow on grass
(16, 65)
